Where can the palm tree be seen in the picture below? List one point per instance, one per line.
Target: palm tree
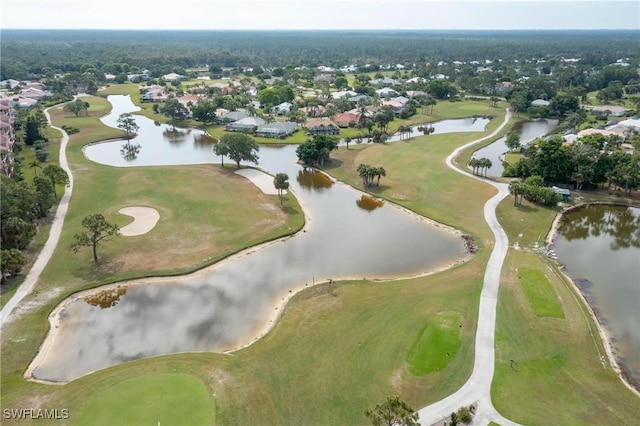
(380, 171)
(35, 164)
(364, 171)
(517, 189)
(281, 182)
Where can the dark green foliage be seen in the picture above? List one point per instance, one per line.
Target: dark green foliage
(239, 147)
(316, 150)
(32, 130)
(11, 263)
(393, 412)
(97, 230)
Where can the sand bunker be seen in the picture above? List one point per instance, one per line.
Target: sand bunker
(261, 180)
(144, 219)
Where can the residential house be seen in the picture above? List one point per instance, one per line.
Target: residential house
(611, 110)
(387, 92)
(33, 93)
(342, 93)
(283, 109)
(232, 116)
(625, 128)
(9, 84)
(154, 94)
(321, 126)
(539, 103)
(247, 124)
(276, 129)
(174, 77)
(7, 137)
(504, 86)
(383, 82)
(346, 119)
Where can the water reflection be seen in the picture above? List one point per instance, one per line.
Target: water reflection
(130, 151)
(367, 202)
(106, 298)
(175, 135)
(599, 245)
(622, 225)
(313, 179)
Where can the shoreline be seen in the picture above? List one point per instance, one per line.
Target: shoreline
(269, 321)
(613, 360)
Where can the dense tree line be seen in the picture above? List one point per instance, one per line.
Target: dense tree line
(594, 162)
(36, 52)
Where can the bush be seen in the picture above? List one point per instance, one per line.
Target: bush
(42, 155)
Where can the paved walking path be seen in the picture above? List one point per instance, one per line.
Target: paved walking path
(478, 387)
(54, 234)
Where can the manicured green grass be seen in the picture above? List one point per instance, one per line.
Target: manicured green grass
(435, 345)
(335, 352)
(540, 294)
(165, 399)
(560, 374)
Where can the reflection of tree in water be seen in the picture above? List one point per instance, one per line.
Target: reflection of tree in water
(204, 140)
(175, 136)
(622, 223)
(313, 179)
(106, 298)
(130, 151)
(367, 202)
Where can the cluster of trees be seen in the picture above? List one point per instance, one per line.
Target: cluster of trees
(479, 164)
(316, 150)
(367, 173)
(533, 189)
(596, 160)
(22, 205)
(76, 107)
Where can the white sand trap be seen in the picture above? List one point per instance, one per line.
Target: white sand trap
(144, 219)
(261, 180)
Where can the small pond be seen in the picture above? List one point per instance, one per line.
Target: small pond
(600, 246)
(528, 130)
(233, 302)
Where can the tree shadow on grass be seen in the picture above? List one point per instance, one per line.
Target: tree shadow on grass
(105, 268)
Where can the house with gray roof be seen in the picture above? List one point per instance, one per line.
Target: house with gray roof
(231, 117)
(276, 129)
(247, 125)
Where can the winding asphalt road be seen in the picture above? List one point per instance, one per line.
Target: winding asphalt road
(478, 388)
(54, 234)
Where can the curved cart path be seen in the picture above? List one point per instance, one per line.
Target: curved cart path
(478, 388)
(54, 234)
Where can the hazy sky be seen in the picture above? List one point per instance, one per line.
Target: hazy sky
(320, 14)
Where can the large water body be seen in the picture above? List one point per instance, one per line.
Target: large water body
(231, 303)
(528, 130)
(600, 246)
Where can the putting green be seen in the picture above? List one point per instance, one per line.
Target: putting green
(162, 399)
(436, 345)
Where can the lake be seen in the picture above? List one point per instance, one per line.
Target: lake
(600, 246)
(232, 303)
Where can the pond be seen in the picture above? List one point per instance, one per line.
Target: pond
(600, 246)
(235, 301)
(528, 130)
